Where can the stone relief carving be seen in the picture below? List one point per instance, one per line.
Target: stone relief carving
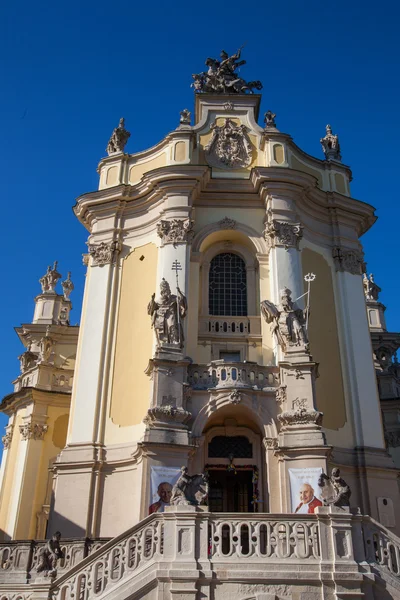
(166, 413)
(287, 321)
(348, 260)
(371, 290)
(190, 489)
(230, 146)
(7, 438)
(103, 253)
(49, 555)
(330, 145)
(49, 279)
(334, 489)
(167, 314)
(280, 394)
(175, 231)
(221, 76)
(85, 259)
(269, 119)
(270, 443)
(118, 139)
(235, 397)
(46, 345)
(301, 416)
(283, 233)
(185, 115)
(227, 223)
(67, 286)
(33, 430)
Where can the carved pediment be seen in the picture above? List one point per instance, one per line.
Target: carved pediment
(230, 146)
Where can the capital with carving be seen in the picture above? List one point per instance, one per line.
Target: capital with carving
(283, 233)
(33, 430)
(301, 416)
(103, 253)
(351, 261)
(175, 231)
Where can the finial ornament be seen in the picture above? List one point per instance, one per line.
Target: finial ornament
(118, 139)
(49, 279)
(269, 120)
(185, 115)
(371, 290)
(67, 286)
(330, 145)
(222, 78)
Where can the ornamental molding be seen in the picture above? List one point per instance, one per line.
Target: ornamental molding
(302, 416)
(230, 146)
(281, 394)
(33, 430)
(227, 223)
(283, 233)
(7, 438)
(175, 231)
(271, 443)
(351, 261)
(235, 397)
(166, 413)
(103, 253)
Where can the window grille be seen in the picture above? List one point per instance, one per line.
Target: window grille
(222, 446)
(227, 292)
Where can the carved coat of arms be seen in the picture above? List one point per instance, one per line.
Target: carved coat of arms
(229, 147)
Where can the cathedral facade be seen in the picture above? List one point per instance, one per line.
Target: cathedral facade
(221, 401)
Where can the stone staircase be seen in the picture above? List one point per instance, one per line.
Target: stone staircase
(188, 553)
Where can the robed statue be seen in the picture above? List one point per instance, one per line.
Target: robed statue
(190, 489)
(287, 321)
(166, 315)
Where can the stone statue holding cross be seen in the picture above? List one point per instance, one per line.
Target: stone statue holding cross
(166, 314)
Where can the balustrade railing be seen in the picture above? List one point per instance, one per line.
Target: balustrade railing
(229, 327)
(264, 537)
(115, 561)
(381, 546)
(220, 374)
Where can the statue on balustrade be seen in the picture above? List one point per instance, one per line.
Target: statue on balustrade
(49, 555)
(287, 321)
(334, 489)
(166, 315)
(190, 489)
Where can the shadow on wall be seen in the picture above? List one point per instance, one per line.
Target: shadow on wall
(57, 522)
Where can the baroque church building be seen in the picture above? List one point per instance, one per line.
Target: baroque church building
(225, 420)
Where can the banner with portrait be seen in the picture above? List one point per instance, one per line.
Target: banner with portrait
(304, 490)
(162, 480)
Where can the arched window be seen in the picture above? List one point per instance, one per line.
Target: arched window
(227, 292)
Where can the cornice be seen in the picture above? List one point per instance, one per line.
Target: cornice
(196, 183)
(29, 395)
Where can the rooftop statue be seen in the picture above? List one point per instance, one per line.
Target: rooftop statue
(371, 290)
(118, 139)
(221, 77)
(330, 145)
(49, 279)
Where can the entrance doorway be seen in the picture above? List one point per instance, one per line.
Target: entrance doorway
(230, 492)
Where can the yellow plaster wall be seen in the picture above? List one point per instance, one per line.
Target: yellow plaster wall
(9, 474)
(324, 341)
(340, 183)
(137, 171)
(279, 155)
(180, 151)
(131, 386)
(299, 166)
(54, 441)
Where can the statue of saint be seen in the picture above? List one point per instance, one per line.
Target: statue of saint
(287, 320)
(49, 555)
(167, 314)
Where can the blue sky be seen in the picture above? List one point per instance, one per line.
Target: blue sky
(70, 70)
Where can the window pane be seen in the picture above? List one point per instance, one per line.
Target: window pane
(227, 285)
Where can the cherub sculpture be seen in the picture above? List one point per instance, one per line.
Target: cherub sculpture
(287, 321)
(49, 555)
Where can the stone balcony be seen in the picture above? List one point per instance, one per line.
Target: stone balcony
(188, 553)
(224, 374)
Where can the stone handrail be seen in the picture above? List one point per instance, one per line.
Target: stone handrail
(116, 560)
(381, 546)
(222, 374)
